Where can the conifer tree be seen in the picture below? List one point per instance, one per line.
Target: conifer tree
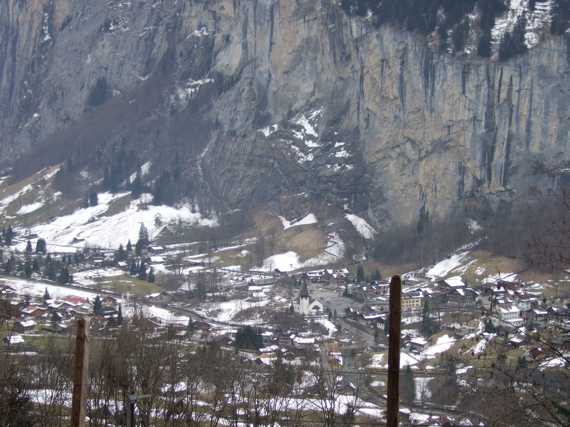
(28, 269)
(120, 315)
(46, 295)
(360, 273)
(41, 246)
(408, 385)
(97, 306)
(151, 277)
(120, 254)
(142, 272)
(137, 187)
(29, 249)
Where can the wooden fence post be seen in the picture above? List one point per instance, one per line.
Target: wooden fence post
(394, 352)
(80, 365)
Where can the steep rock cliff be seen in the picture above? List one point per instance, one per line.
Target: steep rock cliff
(260, 98)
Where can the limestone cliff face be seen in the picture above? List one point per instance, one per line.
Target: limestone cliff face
(270, 97)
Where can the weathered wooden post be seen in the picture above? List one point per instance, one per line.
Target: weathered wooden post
(81, 361)
(394, 352)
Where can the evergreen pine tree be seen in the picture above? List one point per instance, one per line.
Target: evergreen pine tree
(190, 328)
(360, 273)
(35, 266)
(129, 248)
(513, 43)
(376, 275)
(29, 248)
(9, 236)
(64, 276)
(151, 277)
(133, 269)
(484, 45)
(93, 198)
(142, 272)
(97, 306)
(120, 315)
(137, 185)
(143, 241)
(28, 269)
(46, 295)
(408, 385)
(120, 254)
(41, 246)
(51, 269)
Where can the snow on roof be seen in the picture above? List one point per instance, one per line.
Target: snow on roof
(509, 309)
(306, 220)
(15, 339)
(28, 323)
(419, 341)
(360, 224)
(269, 349)
(301, 340)
(455, 282)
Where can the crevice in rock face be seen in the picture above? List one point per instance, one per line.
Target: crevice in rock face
(429, 79)
(402, 80)
(465, 71)
(528, 126)
(489, 139)
(500, 86)
(508, 140)
(461, 180)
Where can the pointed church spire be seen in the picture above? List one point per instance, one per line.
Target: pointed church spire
(304, 291)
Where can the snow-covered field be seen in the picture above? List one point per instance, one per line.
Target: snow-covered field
(91, 227)
(290, 261)
(227, 310)
(360, 224)
(445, 267)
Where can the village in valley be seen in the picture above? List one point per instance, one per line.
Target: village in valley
(459, 319)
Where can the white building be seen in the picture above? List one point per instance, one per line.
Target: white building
(307, 306)
(510, 314)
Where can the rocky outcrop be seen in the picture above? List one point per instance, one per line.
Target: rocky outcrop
(267, 97)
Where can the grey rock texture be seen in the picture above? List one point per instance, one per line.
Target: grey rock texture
(260, 98)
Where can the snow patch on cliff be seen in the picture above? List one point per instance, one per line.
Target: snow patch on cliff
(360, 224)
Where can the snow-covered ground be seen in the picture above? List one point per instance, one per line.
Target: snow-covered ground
(442, 344)
(90, 277)
(91, 227)
(33, 288)
(32, 207)
(360, 224)
(327, 324)
(290, 261)
(445, 267)
(227, 310)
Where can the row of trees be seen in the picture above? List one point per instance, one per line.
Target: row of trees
(57, 270)
(171, 386)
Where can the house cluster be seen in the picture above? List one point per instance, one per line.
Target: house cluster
(515, 304)
(327, 275)
(54, 315)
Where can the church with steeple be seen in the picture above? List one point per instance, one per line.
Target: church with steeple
(305, 305)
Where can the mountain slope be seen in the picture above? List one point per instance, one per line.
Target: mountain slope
(241, 103)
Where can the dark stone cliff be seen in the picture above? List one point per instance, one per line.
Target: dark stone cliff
(260, 98)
